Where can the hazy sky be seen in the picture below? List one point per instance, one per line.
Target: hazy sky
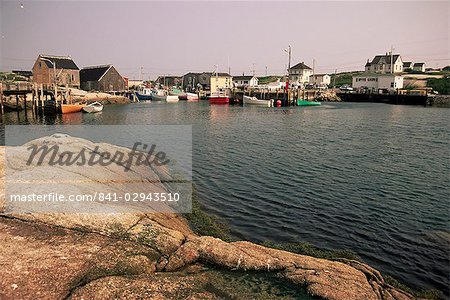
(177, 37)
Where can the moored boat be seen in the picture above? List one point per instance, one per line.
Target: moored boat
(144, 94)
(255, 101)
(307, 103)
(172, 99)
(191, 97)
(93, 107)
(159, 95)
(218, 98)
(72, 108)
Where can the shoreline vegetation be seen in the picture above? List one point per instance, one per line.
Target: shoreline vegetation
(128, 255)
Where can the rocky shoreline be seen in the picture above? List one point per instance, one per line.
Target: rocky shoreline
(150, 255)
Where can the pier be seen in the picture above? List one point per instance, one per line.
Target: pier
(397, 98)
(43, 99)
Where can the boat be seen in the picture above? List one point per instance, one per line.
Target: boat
(144, 95)
(255, 101)
(172, 99)
(93, 107)
(220, 96)
(191, 97)
(159, 95)
(218, 99)
(307, 103)
(72, 108)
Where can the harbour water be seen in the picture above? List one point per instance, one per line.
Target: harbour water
(371, 178)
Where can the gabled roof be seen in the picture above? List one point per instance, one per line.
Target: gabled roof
(300, 66)
(61, 62)
(243, 77)
(419, 64)
(192, 73)
(367, 64)
(407, 64)
(384, 59)
(94, 73)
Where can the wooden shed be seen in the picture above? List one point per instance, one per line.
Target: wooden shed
(101, 78)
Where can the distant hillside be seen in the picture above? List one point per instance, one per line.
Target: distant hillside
(268, 79)
(9, 76)
(343, 78)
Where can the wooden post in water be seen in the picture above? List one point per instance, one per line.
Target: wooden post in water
(42, 96)
(25, 103)
(1, 98)
(17, 102)
(67, 94)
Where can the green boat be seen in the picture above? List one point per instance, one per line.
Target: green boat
(307, 103)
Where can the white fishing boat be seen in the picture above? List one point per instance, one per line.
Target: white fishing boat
(93, 107)
(172, 98)
(192, 97)
(255, 101)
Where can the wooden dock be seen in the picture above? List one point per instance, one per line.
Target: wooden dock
(43, 98)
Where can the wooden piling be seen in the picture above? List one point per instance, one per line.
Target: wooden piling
(42, 96)
(1, 98)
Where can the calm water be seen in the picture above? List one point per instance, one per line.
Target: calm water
(371, 178)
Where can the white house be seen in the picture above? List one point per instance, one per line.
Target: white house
(320, 79)
(300, 73)
(376, 81)
(382, 64)
(274, 86)
(407, 65)
(419, 67)
(245, 81)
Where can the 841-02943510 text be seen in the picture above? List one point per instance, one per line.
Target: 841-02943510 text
(97, 197)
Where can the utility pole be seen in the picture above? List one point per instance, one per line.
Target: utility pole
(287, 80)
(392, 59)
(314, 66)
(266, 71)
(55, 78)
(334, 78)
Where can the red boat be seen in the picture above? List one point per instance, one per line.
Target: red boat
(218, 99)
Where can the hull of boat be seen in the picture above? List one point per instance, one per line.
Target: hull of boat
(172, 99)
(142, 97)
(219, 100)
(93, 108)
(254, 101)
(191, 97)
(159, 98)
(307, 103)
(71, 108)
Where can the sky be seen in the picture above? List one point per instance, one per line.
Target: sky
(173, 38)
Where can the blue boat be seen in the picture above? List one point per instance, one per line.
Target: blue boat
(144, 95)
